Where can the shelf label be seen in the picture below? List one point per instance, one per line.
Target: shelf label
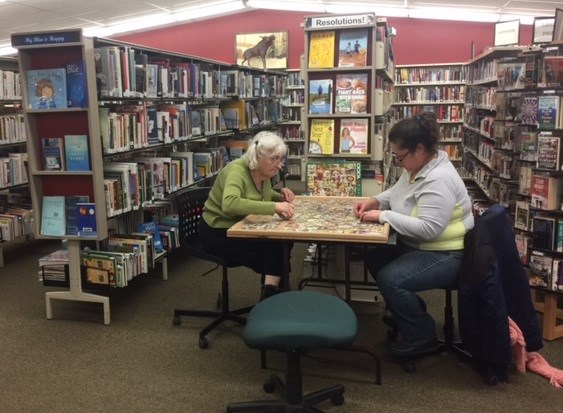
(329, 22)
(34, 39)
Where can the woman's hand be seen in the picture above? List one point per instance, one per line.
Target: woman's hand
(360, 207)
(285, 210)
(287, 194)
(371, 215)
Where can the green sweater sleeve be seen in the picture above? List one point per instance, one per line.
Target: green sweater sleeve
(235, 196)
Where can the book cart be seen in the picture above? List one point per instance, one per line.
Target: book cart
(15, 216)
(348, 74)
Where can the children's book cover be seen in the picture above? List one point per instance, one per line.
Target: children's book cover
(352, 48)
(46, 89)
(77, 90)
(351, 93)
(320, 96)
(321, 50)
(354, 136)
(76, 153)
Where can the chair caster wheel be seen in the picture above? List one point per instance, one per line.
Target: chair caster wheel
(269, 387)
(337, 400)
(203, 343)
(177, 320)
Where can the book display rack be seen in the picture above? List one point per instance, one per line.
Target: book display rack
(439, 88)
(348, 79)
(114, 130)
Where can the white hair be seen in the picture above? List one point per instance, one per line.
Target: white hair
(264, 143)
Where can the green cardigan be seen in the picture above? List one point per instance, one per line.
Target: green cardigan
(235, 196)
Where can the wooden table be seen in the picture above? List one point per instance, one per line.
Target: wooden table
(318, 219)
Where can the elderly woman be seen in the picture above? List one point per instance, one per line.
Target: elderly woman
(244, 187)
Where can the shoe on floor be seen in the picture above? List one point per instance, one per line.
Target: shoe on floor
(269, 290)
(402, 348)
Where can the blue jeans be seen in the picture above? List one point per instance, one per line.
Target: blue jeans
(401, 272)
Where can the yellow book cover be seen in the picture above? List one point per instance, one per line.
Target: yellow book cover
(321, 137)
(321, 50)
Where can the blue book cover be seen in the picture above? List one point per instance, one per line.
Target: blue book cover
(53, 216)
(76, 153)
(151, 228)
(46, 89)
(86, 219)
(77, 90)
(548, 109)
(320, 96)
(71, 212)
(53, 154)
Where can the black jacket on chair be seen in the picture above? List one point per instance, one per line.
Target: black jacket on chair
(492, 287)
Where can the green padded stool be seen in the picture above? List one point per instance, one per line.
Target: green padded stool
(292, 322)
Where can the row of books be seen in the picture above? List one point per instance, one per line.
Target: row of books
(444, 74)
(123, 71)
(13, 169)
(352, 137)
(444, 113)
(10, 85)
(243, 114)
(434, 94)
(15, 221)
(545, 271)
(12, 129)
(57, 88)
(66, 153)
(68, 215)
(349, 92)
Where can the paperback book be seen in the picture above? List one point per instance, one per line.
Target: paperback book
(548, 111)
(46, 89)
(352, 48)
(549, 151)
(321, 138)
(320, 96)
(77, 156)
(86, 221)
(53, 154)
(71, 212)
(151, 228)
(351, 93)
(77, 90)
(53, 216)
(354, 136)
(321, 50)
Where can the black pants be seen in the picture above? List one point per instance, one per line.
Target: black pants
(263, 256)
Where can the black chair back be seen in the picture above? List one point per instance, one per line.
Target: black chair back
(189, 204)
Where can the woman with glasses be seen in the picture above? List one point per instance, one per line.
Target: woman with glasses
(430, 210)
(242, 188)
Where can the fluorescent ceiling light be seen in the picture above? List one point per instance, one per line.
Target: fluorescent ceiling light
(142, 23)
(7, 50)
(216, 9)
(316, 6)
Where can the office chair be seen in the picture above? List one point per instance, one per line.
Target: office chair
(189, 204)
(294, 322)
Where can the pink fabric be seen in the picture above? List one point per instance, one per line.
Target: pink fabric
(532, 361)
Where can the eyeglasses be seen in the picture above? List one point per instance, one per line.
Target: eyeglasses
(399, 158)
(276, 160)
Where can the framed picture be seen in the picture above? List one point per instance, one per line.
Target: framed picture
(542, 30)
(558, 26)
(507, 33)
(262, 50)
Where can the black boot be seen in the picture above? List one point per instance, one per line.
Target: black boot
(269, 290)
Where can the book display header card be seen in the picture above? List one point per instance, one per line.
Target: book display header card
(507, 33)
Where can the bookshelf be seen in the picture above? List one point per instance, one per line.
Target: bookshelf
(348, 78)
(290, 127)
(439, 88)
(154, 124)
(14, 210)
(51, 51)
